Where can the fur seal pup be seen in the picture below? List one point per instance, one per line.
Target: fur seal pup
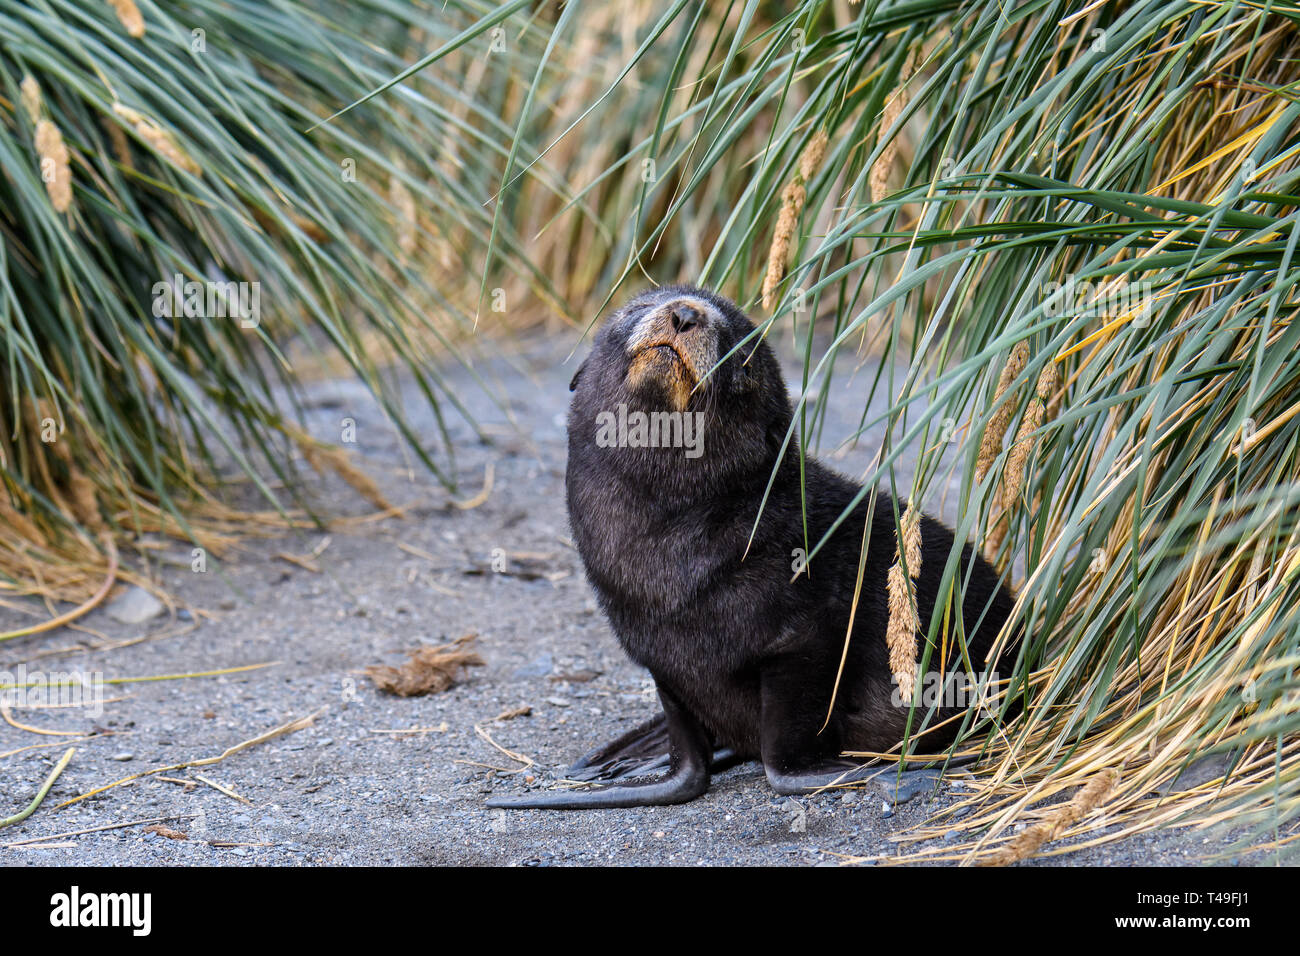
(744, 659)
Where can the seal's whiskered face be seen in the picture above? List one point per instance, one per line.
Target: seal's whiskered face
(673, 338)
(673, 345)
(679, 373)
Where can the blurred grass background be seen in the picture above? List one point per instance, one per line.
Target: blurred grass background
(916, 180)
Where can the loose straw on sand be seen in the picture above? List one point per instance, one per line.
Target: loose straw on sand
(286, 728)
(792, 201)
(904, 621)
(1062, 818)
(40, 794)
(109, 580)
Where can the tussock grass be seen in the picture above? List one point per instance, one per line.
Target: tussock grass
(1126, 451)
(142, 141)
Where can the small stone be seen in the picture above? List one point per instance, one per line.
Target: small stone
(124, 756)
(539, 666)
(135, 605)
(913, 784)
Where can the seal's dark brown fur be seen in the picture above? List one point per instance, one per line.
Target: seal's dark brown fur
(745, 657)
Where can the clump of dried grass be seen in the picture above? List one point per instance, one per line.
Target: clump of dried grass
(430, 670)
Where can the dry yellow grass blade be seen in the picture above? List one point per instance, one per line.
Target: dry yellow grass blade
(290, 727)
(1248, 138)
(324, 457)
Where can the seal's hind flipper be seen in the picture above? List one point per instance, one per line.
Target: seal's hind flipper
(642, 750)
(687, 771)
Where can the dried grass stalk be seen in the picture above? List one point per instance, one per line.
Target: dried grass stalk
(404, 209)
(1085, 801)
(792, 203)
(324, 457)
(904, 621)
(129, 14)
(1013, 477)
(430, 670)
(991, 443)
(894, 106)
(158, 139)
(31, 97)
(55, 170)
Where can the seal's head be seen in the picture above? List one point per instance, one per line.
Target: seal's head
(682, 351)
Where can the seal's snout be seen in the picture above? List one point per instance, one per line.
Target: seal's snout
(683, 317)
(671, 348)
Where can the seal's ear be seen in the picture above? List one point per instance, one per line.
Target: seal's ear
(573, 382)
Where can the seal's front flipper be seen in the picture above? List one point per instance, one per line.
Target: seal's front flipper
(642, 750)
(689, 750)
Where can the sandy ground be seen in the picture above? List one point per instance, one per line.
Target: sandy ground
(348, 791)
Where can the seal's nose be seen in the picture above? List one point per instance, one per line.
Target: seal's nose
(684, 316)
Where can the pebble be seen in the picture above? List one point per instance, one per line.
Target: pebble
(539, 666)
(135, 605)
(124, 756)
(914, 783)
